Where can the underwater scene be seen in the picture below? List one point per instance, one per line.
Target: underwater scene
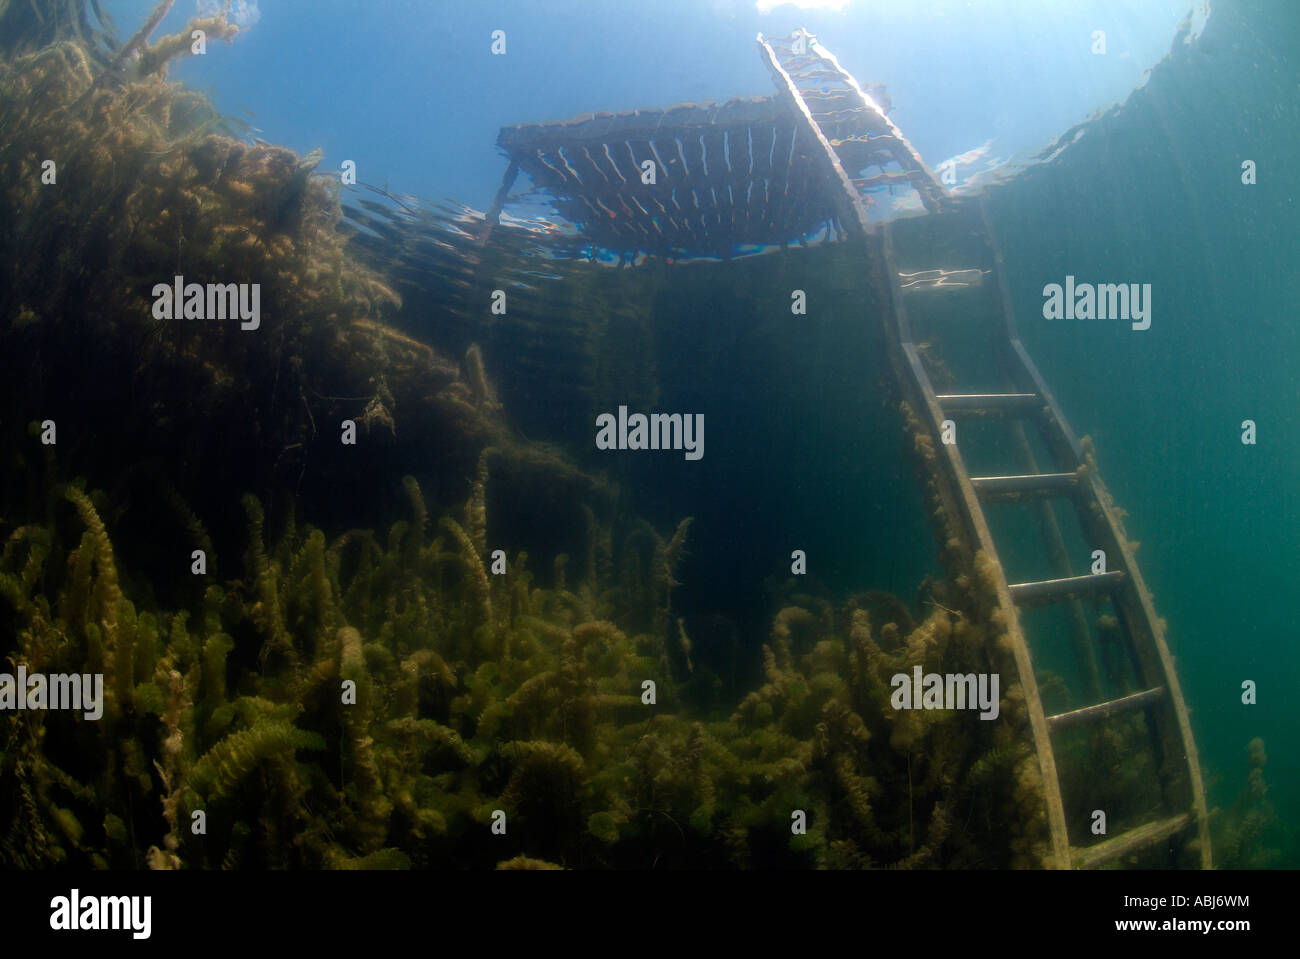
(734, 435)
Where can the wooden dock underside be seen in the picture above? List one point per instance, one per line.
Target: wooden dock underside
(740, 174)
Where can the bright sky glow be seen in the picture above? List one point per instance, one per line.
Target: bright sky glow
(767, 6)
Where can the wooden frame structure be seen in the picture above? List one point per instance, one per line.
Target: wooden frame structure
(691, 180)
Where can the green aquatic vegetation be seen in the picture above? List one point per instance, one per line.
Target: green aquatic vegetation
(155, 57)
(372, 698)
(115, 181)
(1248, 835)
(353, 705)
(27, 25)
(1110, 767)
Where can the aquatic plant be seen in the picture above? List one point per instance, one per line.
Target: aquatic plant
(147, 184)
(1247, 835)
(376, 697)
(27, 25)
(463, 705)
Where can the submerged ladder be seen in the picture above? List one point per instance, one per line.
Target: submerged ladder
(966, 305)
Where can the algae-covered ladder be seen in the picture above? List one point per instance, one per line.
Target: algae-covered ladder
(945, 279)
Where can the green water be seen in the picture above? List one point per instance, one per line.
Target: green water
(1153, 193)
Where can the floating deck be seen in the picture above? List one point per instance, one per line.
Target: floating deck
(752, 173)
(743, 173)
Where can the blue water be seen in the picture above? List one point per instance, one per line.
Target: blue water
(410, 90)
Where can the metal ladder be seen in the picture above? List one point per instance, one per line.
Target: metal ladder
(1012, 396)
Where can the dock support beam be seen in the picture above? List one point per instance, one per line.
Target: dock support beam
(499, 202)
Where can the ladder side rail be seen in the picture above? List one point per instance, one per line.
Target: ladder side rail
(1054, 539)
(848, 203)
(1147, 630)
(962, 494)
(933, 194)
(1139, 627)
(1080, 634)
(1133, 601)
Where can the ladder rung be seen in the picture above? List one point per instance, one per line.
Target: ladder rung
(878, 142)
(1050, 590)
(870, 181)
(989, 402)
(1116, 707)
(1035, 484)
(1128, 842)
(939, 279)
